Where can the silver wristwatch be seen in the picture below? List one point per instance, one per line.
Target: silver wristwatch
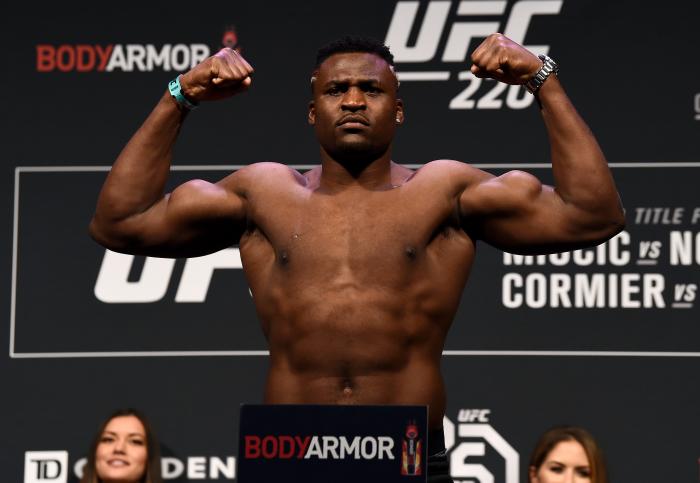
(548, 67)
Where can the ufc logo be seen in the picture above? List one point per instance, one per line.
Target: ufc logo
(477, 93)
(113, 284)
(468, 441)
(461, 33)
(473, 415)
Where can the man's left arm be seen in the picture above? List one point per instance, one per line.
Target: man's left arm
(516, 212)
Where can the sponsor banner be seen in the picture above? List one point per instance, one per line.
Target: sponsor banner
(130, 57)
(332, 443)
(126, 58)
(56, 467)
(121, 304)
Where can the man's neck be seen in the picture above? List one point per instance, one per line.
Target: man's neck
(342, 175)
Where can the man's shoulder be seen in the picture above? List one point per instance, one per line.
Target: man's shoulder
(448, 171)
(268, 168)
(267, 173)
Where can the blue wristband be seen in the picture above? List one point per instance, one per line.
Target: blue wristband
(176, 91)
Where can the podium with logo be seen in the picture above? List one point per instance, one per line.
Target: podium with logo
(330, 443)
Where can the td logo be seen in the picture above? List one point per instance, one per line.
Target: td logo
(469, 439)
(45, 466)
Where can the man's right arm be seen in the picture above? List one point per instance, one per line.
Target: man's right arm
(134, 214)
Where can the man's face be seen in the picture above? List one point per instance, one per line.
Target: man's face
(355, 110)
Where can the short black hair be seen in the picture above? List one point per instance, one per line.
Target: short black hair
(354, 43)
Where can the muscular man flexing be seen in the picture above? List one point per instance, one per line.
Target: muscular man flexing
(357, 266)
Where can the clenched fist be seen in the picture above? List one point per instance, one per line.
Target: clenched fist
(222, 75)
(500, 58)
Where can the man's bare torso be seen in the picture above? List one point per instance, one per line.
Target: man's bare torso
(356, 288)
(357, 279)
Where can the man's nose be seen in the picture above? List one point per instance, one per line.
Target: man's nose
(354, 99)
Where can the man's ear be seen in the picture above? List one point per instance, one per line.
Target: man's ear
(399, 111)
(311, 118)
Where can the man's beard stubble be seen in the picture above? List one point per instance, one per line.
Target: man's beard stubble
(356, 156)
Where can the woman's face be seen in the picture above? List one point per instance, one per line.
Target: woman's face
(566, 463)
(121, 453)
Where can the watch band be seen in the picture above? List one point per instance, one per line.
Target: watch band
(176, 91)
(549, 67)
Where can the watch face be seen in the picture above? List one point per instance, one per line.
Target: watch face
(549, 64)
(548, 67)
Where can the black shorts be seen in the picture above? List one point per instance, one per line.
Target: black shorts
(438, 465)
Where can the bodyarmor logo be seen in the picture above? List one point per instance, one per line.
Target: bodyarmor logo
(126, 58)
(230, 39)
(411, 451)
(459, 39)
(469, 439)
(318, 447)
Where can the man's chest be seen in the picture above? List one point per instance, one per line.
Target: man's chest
(376, 228)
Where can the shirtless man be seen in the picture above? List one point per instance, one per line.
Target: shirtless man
(357, 266)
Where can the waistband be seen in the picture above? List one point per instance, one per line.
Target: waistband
(436, 442)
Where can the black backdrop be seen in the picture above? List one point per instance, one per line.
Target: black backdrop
(607, 339)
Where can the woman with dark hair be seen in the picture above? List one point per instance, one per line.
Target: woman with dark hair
(124, 450)
(567, 454)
